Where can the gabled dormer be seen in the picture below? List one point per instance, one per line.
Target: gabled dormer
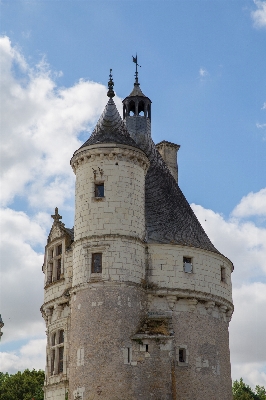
(58, 241)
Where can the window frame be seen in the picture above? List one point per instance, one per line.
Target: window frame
(185, 261)
(57, 352)
(55, 263)
(96, 186)
(93, 261)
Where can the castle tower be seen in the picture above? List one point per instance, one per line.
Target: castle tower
(108, 300)
(137, 298)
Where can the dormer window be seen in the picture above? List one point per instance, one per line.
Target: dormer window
(187, 265)
(99, 189)
(55, 263)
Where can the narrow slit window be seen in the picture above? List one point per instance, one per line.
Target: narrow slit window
(128, 355)
(147, 348)
(96, 264)
(223, 274)
(182, 355)
(187, 264)
(99, 190)
(58, 269)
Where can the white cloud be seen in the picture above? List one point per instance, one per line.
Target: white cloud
(241, 241)
(39, 141)
(252, 204)
(244, 244)
(21, 274)
(259, 15)
(203, 72)
(31, 355)
(264, 106)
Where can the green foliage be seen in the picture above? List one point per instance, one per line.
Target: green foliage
(241, 391)
(25, 385)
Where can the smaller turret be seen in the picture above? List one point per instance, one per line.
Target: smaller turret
(137, 111)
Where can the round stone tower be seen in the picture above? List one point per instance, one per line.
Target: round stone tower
(107, 297)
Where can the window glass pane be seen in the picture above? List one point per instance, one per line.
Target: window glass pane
(61, 336)
(60, 361)
(59, 250)
(96, 263)
(187, 263)
(53, 339)
(58, 270)
(99, 190)
(182, 355)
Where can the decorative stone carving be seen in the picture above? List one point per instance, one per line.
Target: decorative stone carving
(171, 299)
(192, 304)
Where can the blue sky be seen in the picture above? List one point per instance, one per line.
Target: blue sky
(203, 66)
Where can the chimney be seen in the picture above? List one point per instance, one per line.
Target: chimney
(168, 152)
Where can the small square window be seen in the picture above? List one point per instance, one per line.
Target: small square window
(223, 274)
(96, 263)
(187, 264)
(99, 190)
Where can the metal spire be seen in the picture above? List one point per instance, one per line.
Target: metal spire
(135, 60)
(111, 92)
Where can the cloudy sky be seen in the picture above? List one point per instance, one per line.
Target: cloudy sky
(203, 66)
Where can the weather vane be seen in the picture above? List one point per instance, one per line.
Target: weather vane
(135, 60)
(111, 92)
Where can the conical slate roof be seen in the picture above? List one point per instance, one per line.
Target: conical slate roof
(136, 91)
(169, 217)
(110, 128)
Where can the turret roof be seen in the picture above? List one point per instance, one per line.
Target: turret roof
(169, 217)
(110, 128)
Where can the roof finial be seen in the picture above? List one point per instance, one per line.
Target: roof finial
(135, 60)
(111, 92)
(56, 217)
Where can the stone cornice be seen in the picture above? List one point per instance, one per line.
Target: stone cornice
(110, 151)
(110, 236)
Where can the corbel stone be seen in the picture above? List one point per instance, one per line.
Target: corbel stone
(171, 299)
(229, 315)
(149, 300)
(49, 313)
(210, 306)
(192, 303)
(59, 310)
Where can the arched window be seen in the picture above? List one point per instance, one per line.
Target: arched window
(132, 108)
(149, 111)
(141, 108)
